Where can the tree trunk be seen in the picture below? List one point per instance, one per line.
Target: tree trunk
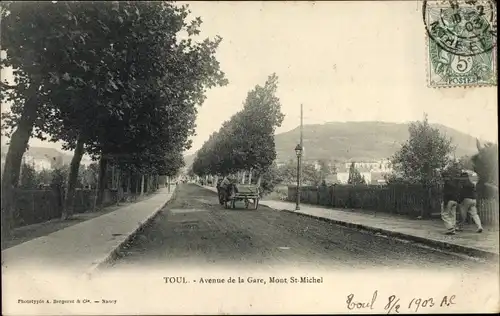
(243, 177)
(129, 183)
(103, 166)
(119, 186)
(259, 180)
(250, 177)
(142, 184)
(18, 144)
(68, 208)
(137, 184)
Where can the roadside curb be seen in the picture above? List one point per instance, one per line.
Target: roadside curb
(437, 244)
(115, 253)
(441, 245)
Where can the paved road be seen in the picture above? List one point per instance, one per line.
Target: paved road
(195, 230)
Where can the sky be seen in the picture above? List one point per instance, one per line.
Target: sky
(344, 61)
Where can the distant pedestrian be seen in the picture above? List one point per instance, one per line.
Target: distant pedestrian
(225, 182)
(467, 202)
(450, 203)
(224, 187)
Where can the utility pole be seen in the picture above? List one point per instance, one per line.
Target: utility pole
(301, 126)
(299, 160)
(301, 139)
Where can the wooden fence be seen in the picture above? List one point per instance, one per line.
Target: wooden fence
(488, 212)
(37, 206)
(411, 200)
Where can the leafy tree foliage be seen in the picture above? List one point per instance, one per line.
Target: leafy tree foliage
(270, 178)
(287, 173)
(486, 166)
(246, 140)
(113, 79)
(256, 125)
(59, 176)
(89, 175)
(326, 169)
(44, 177)
(28, 36)
(423, 156)
(466, 162)
(453, 169)
(355, 177)
(28, 177)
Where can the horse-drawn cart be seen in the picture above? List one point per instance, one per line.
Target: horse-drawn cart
(241, 192)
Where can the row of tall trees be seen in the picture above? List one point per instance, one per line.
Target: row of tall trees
(244, 143)
(120, 81)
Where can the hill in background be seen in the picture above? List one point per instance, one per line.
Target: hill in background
(46, 153)
(359, 141)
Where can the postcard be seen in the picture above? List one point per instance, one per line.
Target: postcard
(249, 157)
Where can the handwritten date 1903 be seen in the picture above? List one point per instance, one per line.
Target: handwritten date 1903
(417, 303)
(394, 306)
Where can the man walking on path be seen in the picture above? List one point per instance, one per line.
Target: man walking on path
(450, 203)
(227, 185)
(468, 202)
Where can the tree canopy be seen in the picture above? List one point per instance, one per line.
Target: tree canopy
(246, 140)
(124, 81)
(423, 155)
(120, 81)
(486, 166)
(355, 177)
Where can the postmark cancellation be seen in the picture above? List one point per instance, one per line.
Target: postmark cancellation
(461, 42)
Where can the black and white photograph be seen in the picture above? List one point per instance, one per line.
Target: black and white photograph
(249, 157)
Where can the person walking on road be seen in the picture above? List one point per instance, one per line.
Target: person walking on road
(225, 185)
(450, 203)
(467, 203)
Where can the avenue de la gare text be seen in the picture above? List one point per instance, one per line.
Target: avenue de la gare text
(249, 280)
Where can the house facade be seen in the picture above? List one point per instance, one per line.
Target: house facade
(373, 172)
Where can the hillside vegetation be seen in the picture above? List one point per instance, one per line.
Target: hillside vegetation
(359, 141)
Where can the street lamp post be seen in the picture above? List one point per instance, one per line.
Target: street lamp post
(298, 152)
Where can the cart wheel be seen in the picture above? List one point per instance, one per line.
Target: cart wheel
(255, 204)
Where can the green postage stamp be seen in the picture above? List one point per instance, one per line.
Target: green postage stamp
(462, 38)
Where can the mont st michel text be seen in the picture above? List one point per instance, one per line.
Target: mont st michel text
(292, 280)
(247, 280)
